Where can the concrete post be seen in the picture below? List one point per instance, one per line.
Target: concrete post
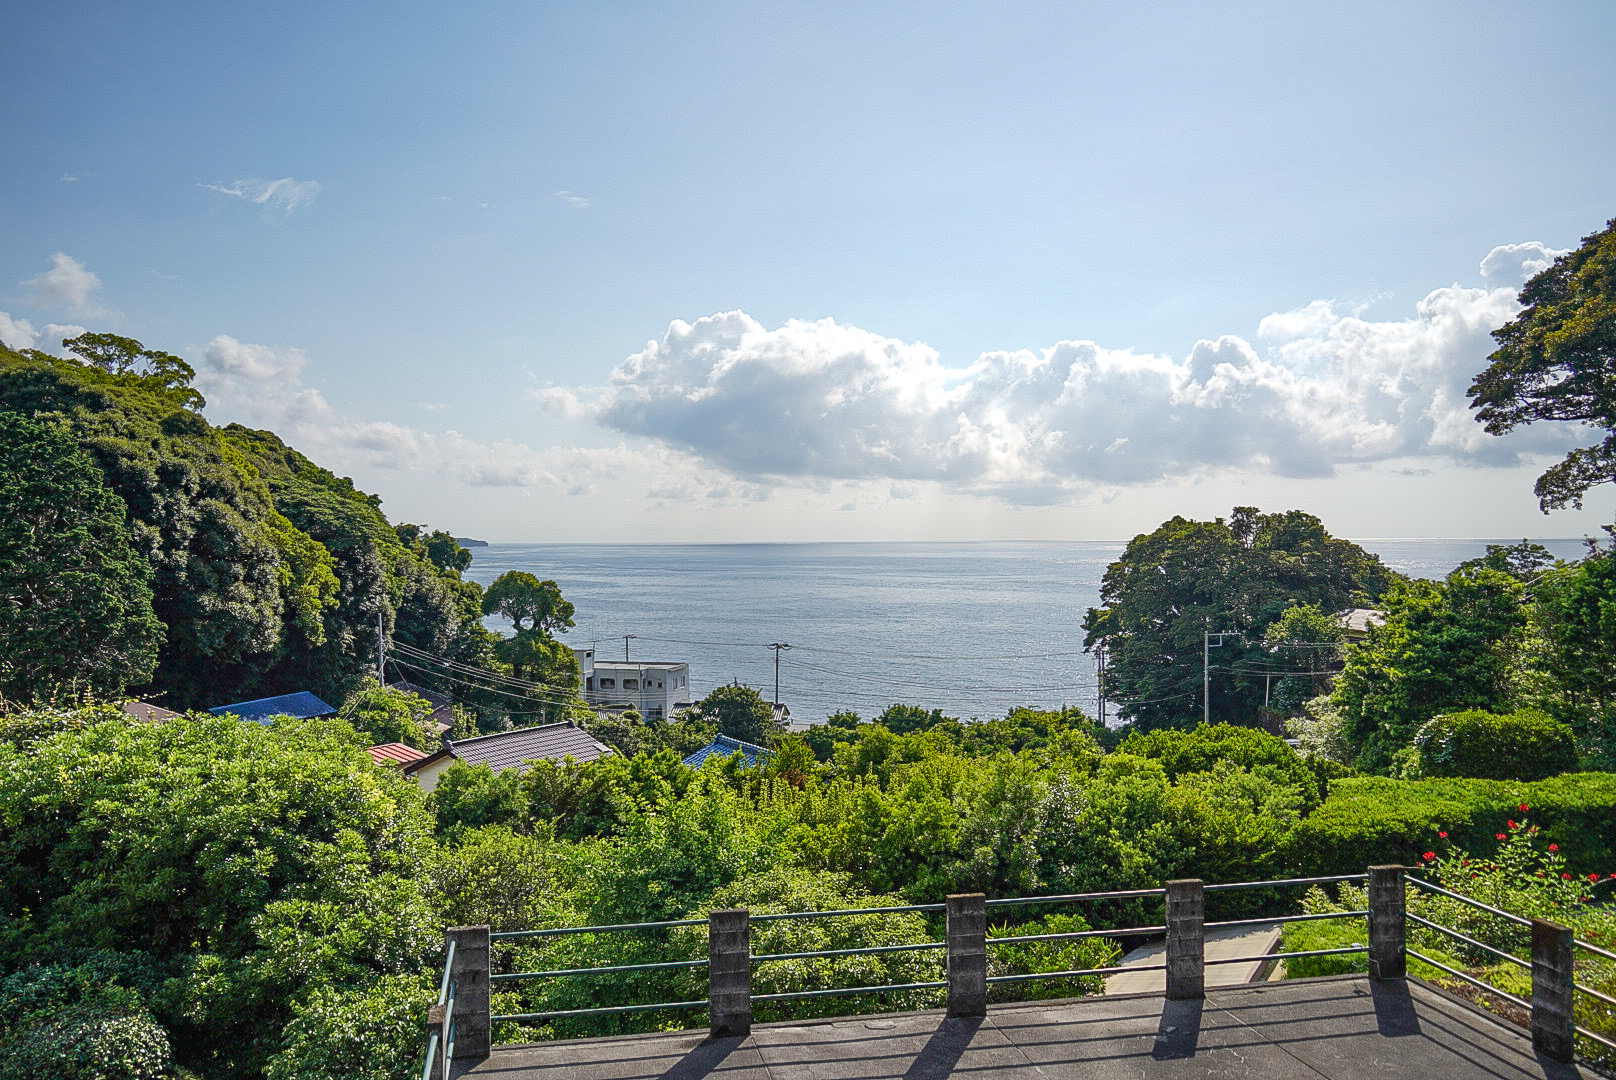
(967, 955)
(1186, 939)
(1388, 925)
(470, 978)
(1553, 1011)
(729, 972)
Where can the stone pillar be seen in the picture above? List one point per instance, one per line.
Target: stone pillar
(1186, 939)
(1388, 926)
(470, 978)
(1553, 1012)
(967, 955)
(729, 972)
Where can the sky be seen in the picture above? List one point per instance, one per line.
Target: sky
(634, 272)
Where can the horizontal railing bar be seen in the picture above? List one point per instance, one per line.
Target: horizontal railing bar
(772, 916)
(448, 966)
(509, 935)
(843, 992)
(1585, 1033)
(1285, 919)
(1075, 974)
(1344, 949)
(1130, 931)
(1467, 900)
(1119, 894)
(1591, 992)
(1482, 945)
(1595, 949)
(602, 1011)
(869, 951)
(615, 969)
(1472, 981)
(1287, 881)
(431, 1055)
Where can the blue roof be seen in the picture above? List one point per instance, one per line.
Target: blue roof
(301, 704)
(724, 746)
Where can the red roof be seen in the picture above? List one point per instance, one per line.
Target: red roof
(391, 752)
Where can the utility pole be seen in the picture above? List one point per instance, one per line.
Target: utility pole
(626, 639)
(381, 650)
(777, 646)
(1099, 677)
(1206, 668)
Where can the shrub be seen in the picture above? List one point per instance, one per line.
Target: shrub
(1525, 745)
(85, 1042)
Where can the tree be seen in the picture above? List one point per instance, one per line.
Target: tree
(741, 713)
(75, 594)
(1237, 577)
(529, 603)
(1557, 361)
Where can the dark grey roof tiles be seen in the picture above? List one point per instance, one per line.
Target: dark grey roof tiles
(515, 749)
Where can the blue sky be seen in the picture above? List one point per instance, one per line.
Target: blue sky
(627, 271)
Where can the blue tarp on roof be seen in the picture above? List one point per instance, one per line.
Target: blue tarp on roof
(724, 746)
(301, 704)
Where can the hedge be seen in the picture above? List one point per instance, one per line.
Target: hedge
(1373, 820)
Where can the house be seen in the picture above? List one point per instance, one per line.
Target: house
(515, 749)
(395, 753)
(1355, 623)
(655, 689)
(442, 716)
(723, 746)
(145, 710)
(300, 705)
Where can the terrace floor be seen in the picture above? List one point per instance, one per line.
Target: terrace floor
(1337, 1028)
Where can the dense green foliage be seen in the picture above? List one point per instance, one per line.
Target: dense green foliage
(741, 713)
(75, 595)
(1525, 745)
(1557, 361)
(1234, 578)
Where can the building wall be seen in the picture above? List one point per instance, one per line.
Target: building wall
(652, 688)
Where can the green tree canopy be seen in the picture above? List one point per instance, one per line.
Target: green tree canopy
(75, 594)
(1557, 361)
(1236, 577)
(529, 603)
(741, 713)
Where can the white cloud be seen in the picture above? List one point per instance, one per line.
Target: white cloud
(1510, 265)
(20, 334)
(227, 358)
(577, 202)
(66, 284)
(1318, 388)
(284, 194)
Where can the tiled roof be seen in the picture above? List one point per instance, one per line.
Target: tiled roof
(145, 710)
(723, 746)
(301, 704)
(395, 753)
(515, 749)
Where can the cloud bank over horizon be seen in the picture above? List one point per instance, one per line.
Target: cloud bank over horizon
(1319, 388)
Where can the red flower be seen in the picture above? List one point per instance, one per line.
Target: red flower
(1524, 808)
(1566, 877)
(1593, 877)
(1442, 835)
(1429, 855)
(1498, 836)
(1554, 847)
(1512, 825)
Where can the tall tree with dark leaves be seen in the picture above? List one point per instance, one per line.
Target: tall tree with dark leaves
(1557, 361)
(75, 594)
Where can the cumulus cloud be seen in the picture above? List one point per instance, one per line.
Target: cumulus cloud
(20, 334)
(66, 284)
(227, 358)
(1317, 388)
(284, 194)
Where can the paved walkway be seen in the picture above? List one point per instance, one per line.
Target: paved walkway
(1228, 942)
(1339, 1028)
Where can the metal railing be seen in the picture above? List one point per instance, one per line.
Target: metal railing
(464, 1030)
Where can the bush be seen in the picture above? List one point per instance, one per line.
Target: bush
(84, 1042)
(1525, 745)
(370, 1034)
(1373, 820)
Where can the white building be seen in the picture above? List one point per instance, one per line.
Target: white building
(656, 690)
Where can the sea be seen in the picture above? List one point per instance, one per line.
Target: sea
(973, 629)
